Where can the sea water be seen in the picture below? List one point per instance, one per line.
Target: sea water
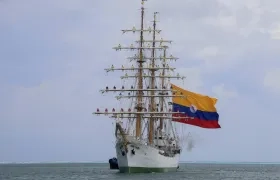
(91, 171)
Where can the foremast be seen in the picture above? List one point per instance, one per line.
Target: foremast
(145, 112)
(140, 78)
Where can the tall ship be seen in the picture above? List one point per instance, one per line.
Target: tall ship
(145, 127)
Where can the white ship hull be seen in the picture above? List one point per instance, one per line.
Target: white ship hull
(144, 159)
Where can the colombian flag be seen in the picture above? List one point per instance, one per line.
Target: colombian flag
(199, 107)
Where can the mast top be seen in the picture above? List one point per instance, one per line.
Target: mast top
(143, 2)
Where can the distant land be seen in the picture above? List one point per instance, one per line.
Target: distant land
(226, 162)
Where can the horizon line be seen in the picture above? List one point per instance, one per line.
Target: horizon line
(184, 162)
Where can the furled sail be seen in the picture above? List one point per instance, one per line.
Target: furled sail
(199, 110)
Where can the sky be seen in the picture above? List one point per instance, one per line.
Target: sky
(52, 59)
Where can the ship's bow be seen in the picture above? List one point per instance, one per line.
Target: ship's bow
(141, 158)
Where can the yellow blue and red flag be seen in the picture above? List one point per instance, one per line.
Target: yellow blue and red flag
(198, 110)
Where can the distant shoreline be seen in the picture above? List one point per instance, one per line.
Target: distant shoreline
(181, 162)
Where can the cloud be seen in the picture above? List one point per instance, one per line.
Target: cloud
(233, 30)
(271, 81)
(223, 93)
(192, 79)
(275, 32)
(53, 54)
